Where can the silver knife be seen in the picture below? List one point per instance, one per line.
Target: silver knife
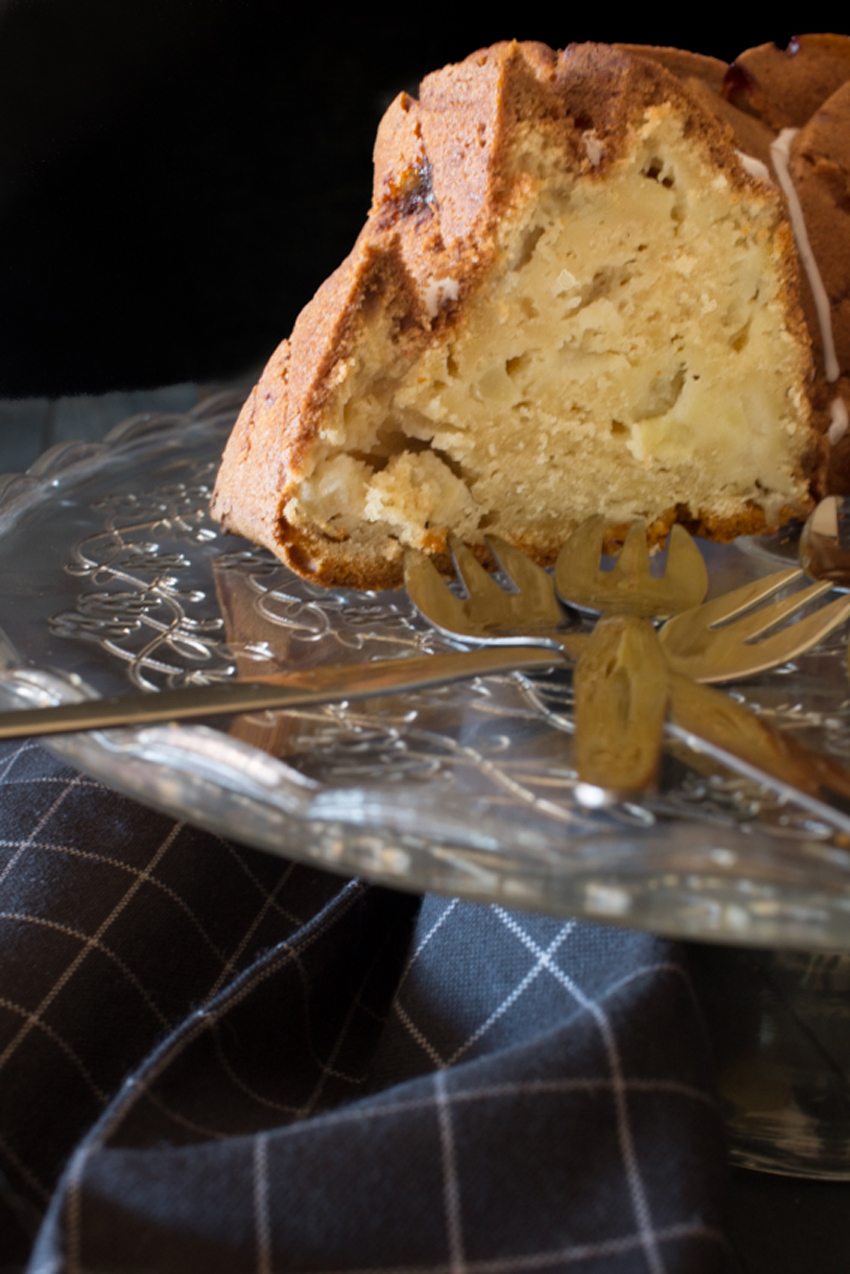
(278, 690)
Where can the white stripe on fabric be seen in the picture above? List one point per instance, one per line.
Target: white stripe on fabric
(557, 1256)
(232, 850)
(490, 1092)
(415, 1033)
(28, 1175)
(262, 1216)
(451, 1185)
(533, 973)
(88, 942)
(62, 1044)
(45, 818)
(640, 1203)
(53, 847)
(236, 955)
(138, 1089)
(437, 925)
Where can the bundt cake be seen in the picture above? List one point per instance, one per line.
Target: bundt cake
(573, 295)
(790, 110)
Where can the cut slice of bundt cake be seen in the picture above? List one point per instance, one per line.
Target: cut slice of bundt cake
(571, 297)
(790, 109)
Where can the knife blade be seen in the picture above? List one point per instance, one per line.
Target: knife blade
(278, 690)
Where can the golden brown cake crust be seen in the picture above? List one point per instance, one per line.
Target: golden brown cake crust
(784, 87)
(442, 185)
(684, 65)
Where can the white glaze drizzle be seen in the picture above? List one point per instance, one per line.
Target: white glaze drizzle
(838, 420)
(592, 147)
(754, 167)
(437, 292)
(780, 153)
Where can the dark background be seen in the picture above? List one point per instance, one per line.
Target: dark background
(178, 176)
(176, 179)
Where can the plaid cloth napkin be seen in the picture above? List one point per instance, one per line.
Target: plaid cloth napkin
(212, 1059)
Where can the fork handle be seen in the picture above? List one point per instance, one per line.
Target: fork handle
(714, 718)
(621, 689)
(276, 690)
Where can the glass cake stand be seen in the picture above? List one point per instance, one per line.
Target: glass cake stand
(113, 577)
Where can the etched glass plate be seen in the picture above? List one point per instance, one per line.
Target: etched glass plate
(115, 578)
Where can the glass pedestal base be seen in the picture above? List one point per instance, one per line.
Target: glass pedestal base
(780, 1026)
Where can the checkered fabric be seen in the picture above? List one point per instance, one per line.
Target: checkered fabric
(212, 1059)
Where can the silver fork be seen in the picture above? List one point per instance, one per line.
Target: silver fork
(719, 641)
(729, 638)
(620, 681)
(490, 614)
(532, 616)
(630, 587)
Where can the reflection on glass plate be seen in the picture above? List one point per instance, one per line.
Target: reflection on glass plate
(113, 576)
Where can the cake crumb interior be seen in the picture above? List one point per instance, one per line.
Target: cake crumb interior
(630, 350)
